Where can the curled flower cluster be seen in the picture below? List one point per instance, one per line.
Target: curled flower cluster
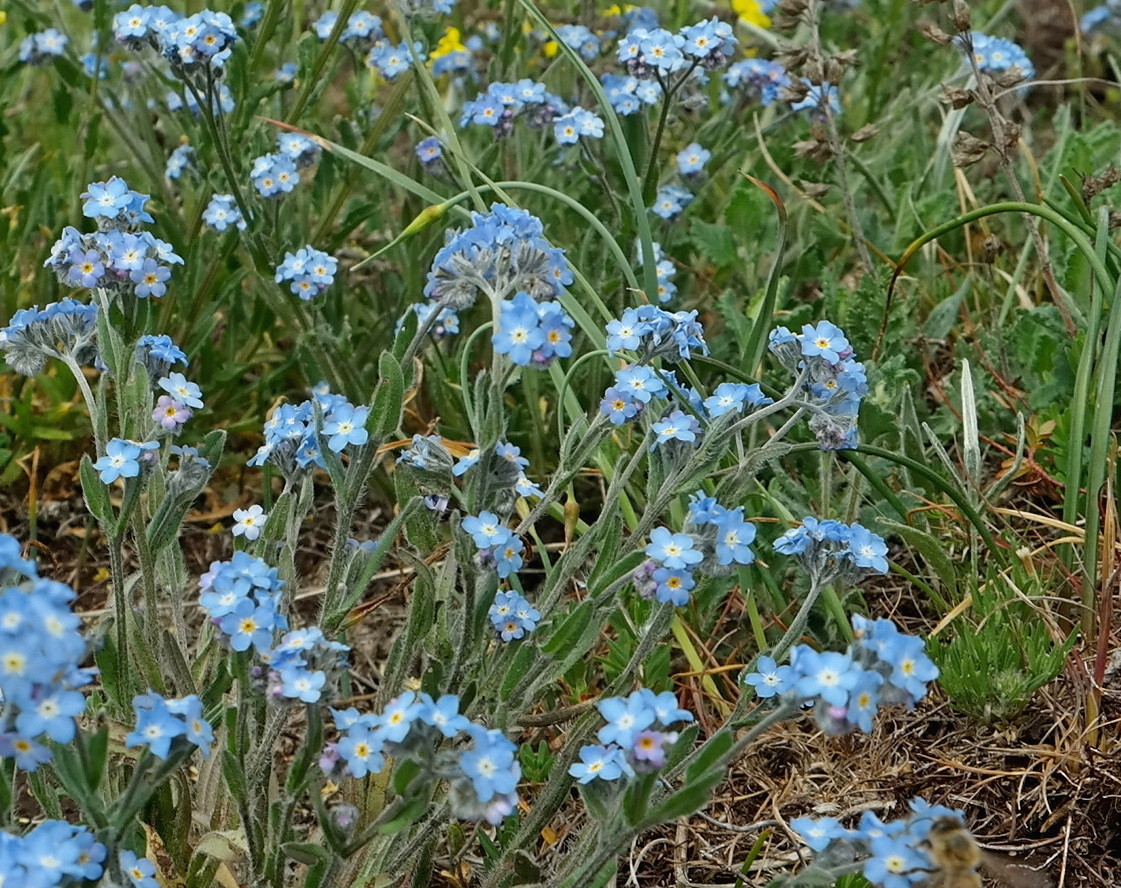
(652, 332)
(532, 333)
(162, 723)
(882, 667)
(894, 854)
(40, 48)
(181, 158)
(55, 854)
(504, 251)
(197, 46)
(305, 665)
(65, 330)
(292, 432)
(498, 547)
(41, 649)
(995, 56)
(503, 104)
(512, 616)
(158, 354)
(118, 257)
(484, 774)
(760, 80)
(830, 550)
(832, 380)
(638, 733)
(714, 539)
(222, 212)
(651, 53)
(308, 271)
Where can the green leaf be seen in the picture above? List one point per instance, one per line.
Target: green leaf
(95, 493)
(687, 800)
(566, 634)
(308, 853)
(405, 773)
(389, 396)
(234, 774)
(708, 758)
(97, 746)
(944, 315)
(715, 242)
(410, 814)
(932, 551)
(522, 662)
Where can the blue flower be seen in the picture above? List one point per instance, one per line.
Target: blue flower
(576, 124)
(249, 522)
(156, 725)
(490, 764)
(673, 550)
(519, 333)
(121, 460)
(866, 549)
(733, 536)
(361, 749)
(512, 616)
(508, 556)
(176, 385)
(673, 586)
(625, 717)
(819, 832)
(618, 406)
(734, 396)
(149, 279)
(443, 714)
(692, 159)
(600, 763)
(222, 212)
(825, 341)
(300, 683)
(828, 675)
(398, 717)
(678, 426)
(770, 679)
(895, 863)
(346, 425)
(106, 199)
(53, 714)
(141, 872)
(429, 151)
(641, 383)
(251, 623)
(486, 530)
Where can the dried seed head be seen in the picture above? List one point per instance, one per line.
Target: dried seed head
(968, 149)
(956, 97)
(866, 132)
(932, 32)
(959, 15)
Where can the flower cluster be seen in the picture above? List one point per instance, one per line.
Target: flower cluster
(309, 272)
(504, 251)
(484, 776)
(65, 330)
(40, 48)
(41, 650)
(222, 212)
(652, 332)
(55, 854)
(160, 723)
(894, 854)
(655, 53)
(576, 124)
(671, 201)
(362, 28)
(158, 354)
(628, 95)
(196, 46)
(665, 269)
(292, 432)
(303, 666)
(830, 550)
(714, 539)
(242, 599)
(181, 158)
(532, 333)
(512, 616)
(995, 55)
(831, 379)
(760, 80)
(882, 667)
(118, 257)
(444, 321)
(504, 103)
(638, 733)
(123, 459)
(498, 547)
(274, 175)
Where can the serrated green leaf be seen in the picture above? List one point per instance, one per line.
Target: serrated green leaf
(715, 242)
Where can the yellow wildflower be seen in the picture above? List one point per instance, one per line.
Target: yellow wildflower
(449, 43)
(751, 12)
